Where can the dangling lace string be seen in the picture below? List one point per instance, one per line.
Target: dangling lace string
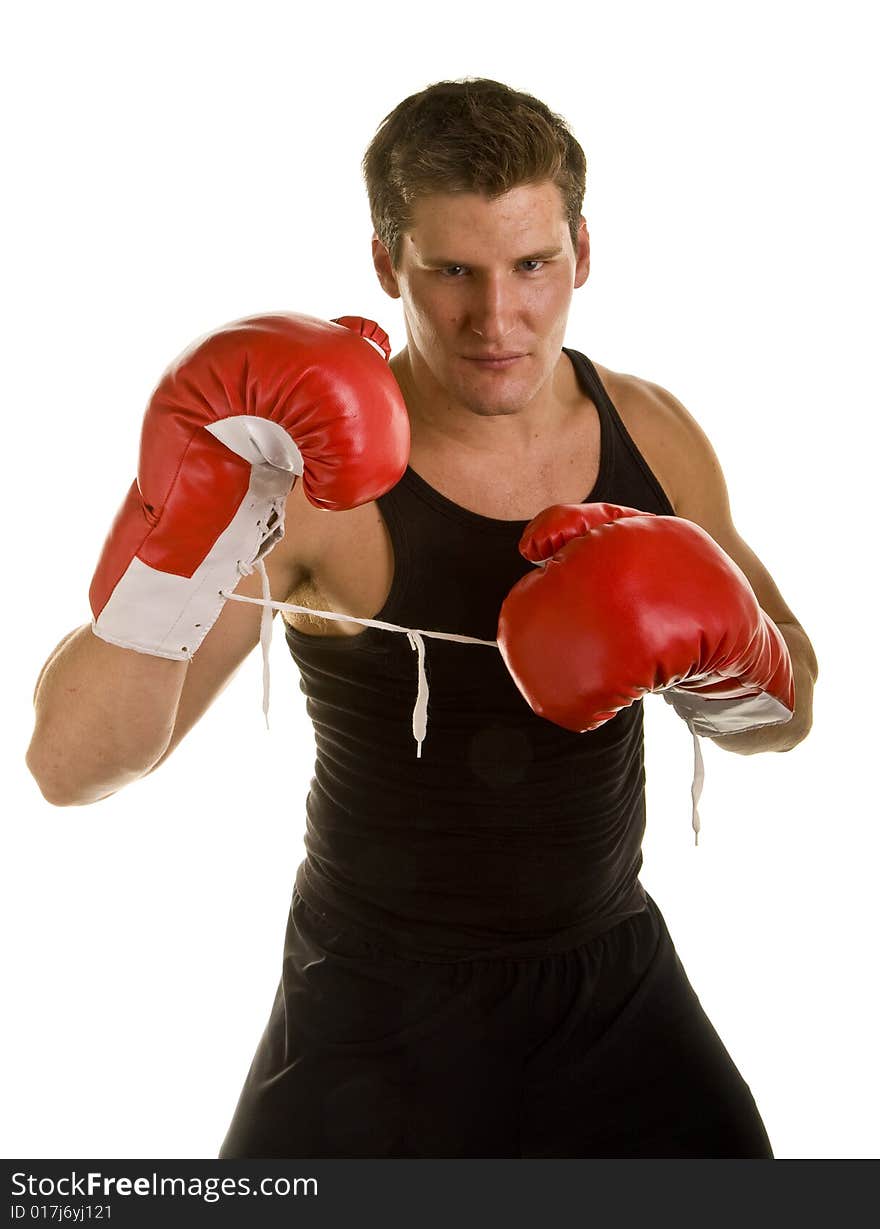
(696, 784)
(420, 712)
(265, 634)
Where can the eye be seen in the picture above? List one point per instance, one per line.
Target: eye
(535, 265)
(452, 271)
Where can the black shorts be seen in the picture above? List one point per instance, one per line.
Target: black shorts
(599, 1051)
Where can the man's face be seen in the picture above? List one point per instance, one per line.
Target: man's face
(486, 287)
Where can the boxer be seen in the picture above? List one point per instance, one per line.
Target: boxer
(472, 967)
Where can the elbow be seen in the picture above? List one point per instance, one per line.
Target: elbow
(58, 798)
(58, 792)
(57, 795)
(54, 793)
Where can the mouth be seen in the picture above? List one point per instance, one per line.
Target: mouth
(492, 362)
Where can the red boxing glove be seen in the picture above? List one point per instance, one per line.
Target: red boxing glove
(233, 422)
(628, 602)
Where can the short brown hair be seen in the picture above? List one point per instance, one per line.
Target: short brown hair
(474, 135)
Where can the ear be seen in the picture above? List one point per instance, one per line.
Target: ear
(384, 270)
(582, 267)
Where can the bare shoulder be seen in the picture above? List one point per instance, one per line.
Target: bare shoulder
(665, 433)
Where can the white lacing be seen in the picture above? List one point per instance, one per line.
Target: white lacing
(415, 636)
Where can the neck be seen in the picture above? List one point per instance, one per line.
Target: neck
(438, 420)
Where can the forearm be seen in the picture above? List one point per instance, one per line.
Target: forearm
(784, 737)
(104, 715)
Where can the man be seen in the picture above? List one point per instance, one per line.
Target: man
(472, 967)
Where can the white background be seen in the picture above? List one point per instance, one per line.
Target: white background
(173, 166)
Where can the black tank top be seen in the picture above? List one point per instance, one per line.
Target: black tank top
(510, 835)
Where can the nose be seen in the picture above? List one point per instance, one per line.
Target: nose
(492, 309)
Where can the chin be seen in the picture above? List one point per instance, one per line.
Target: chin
(505, 398)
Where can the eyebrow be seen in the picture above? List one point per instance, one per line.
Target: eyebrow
(440, 262)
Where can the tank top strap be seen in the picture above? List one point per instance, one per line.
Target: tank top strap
(622, 467)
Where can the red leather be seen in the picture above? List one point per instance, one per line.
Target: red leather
(320, 381)
(626, 603)
(367, 328)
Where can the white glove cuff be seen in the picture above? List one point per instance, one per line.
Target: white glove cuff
(730, 716)
(169, 616)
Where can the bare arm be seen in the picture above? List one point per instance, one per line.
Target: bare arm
(106, 716)
(103, 715)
